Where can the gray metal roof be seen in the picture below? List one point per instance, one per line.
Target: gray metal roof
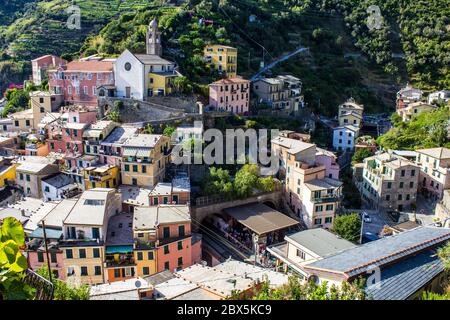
(152, 59)
(401, 280)
(260, 218)
(320, 241)
(120, 230)
(119, 135)
(159, 277)
(58, 180)
(360, 259)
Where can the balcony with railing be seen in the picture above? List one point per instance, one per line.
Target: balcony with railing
(140, 244)
(144, 160)
(327, 198)
(119, 260)
(96, 176)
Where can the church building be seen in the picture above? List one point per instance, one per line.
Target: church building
(139, 76)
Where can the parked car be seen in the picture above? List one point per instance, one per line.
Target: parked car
(366, 217)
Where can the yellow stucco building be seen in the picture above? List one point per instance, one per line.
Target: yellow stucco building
(144, 160)
(7, 171)
(223, 58)
(106, 176)
(162, 83)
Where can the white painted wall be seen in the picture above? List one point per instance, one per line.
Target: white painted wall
(135, 78)
(344, 138)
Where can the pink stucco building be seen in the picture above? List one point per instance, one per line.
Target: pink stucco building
(38, 259)
(329, 160)
(78, 81)
(180, 250)
(232, 95)
(42, 64)
(66, 137)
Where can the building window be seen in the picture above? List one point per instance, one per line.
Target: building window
(150, 255)
(166, 265)
(98, 270)
(411, 184)
(96, 252)
(140, 256)
(116, 273)
(166, 232)
(180, 261)
(400, 197)
(69, 254)
(328, 219)
(389, 185)
(300, 254)
(145, 271)
(21, 176)
(82, 253)
(388, 197)
(175, 198)
(144, 169)
(28, 177)
(127, 167)
(318, 221)
(402, 173)
(413, 173)
(180, 245)
(84, 271)
(319, 208)
(135, 168)
(181, 231)
(40, 256)
(95, 233)
(47, 189)
(53, 257)
(166, 249)
(401, 185)
(329, 207)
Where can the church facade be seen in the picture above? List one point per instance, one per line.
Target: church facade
(140, 76)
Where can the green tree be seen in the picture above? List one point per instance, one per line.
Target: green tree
(183, 85)
(266, 184)
(64, 291)
(169, 130)
(251, 124)
(12, 262)
(360, 155)
(295, 289)
(218, 181)
(16, 100)
(149, 129)
(348, 226)
(114, 116)
(246, 180)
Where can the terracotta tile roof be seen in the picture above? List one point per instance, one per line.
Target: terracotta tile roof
(90, 66)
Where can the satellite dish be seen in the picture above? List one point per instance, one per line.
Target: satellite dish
(137, 284)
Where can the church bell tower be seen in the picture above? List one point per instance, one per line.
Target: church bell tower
(154, 39)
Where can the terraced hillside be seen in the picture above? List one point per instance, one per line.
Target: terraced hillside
(346, 58)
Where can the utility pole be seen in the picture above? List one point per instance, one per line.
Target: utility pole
(362, 228)
(46, 252)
